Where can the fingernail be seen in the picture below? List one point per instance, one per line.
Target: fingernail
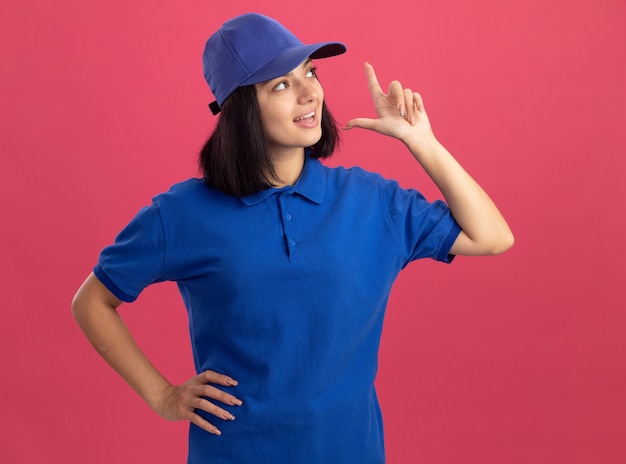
(216, 432)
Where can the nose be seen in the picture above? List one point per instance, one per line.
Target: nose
(309, 90)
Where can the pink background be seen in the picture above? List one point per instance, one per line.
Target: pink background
(513, 359)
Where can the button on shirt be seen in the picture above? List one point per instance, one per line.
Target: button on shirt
(285, 291)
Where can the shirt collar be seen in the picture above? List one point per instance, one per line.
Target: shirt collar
(311, 184)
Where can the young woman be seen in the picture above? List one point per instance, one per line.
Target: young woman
(284, 265)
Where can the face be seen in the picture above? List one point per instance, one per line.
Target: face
(291, 110)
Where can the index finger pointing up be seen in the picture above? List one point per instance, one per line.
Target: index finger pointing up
(372, 80)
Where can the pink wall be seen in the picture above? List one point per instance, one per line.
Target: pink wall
(516, 359)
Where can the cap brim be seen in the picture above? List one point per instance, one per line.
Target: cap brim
(286, 61)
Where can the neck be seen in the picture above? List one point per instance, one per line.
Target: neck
(288, 166)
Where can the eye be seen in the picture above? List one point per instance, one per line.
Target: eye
(312, 72)
(280, 86)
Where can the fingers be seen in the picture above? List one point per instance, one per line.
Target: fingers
(372, 81)
(363, 123)
(202, 387)
(206, 406)
(217, 378)
(400, 112)
(200, 393)
(396, 97)
(407, 102)
(412, 106)
(208, 391)
(193, 403)
(204, 424)
(203, 391)
(419, 103)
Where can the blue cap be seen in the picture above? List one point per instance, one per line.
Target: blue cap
(254, 48)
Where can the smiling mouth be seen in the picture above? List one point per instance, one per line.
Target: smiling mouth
(307, 117)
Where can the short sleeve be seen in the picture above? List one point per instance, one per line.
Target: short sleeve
(425, 229)
(137, 257)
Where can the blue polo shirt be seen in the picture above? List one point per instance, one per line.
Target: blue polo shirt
(285, 291)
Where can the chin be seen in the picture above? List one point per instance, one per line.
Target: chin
(314, 140)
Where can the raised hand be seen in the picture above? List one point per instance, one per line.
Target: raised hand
(400, 112)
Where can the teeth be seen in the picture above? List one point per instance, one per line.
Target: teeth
(306, 116)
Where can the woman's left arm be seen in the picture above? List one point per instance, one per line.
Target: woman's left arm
(401, 115)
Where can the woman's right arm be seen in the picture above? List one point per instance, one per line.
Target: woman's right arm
(95, 309)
